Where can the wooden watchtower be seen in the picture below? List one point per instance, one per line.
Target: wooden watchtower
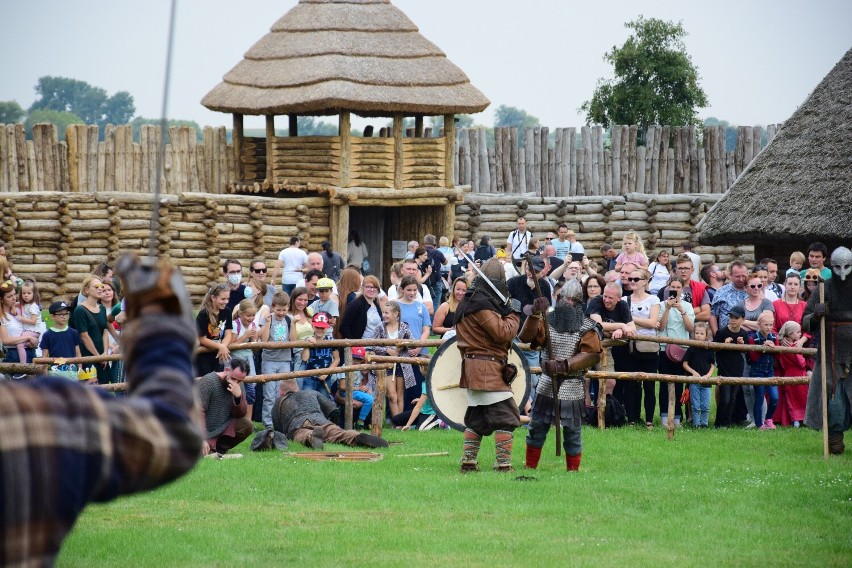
(344, 57)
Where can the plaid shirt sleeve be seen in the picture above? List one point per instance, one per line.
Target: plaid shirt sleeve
(64, 444)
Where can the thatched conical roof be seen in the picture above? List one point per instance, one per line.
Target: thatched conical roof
(363, 56)
(800, 186)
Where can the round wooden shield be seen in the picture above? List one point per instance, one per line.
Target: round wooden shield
(444, 374)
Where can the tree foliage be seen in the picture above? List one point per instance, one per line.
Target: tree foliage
(58, 117)
(507, 116)
(11, 112)
(655, 80)
(90, 103)
(310, 126)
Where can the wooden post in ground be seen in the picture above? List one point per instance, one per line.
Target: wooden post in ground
(670, 427)
(345, 148)
(449, 152)
(602, 391)
(823, 373)
(237, 139)
(351, 381)
(378, 418)
(270, 138)
(293, 125)
(398, 152)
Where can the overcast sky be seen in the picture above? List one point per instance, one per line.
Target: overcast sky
(758, 60)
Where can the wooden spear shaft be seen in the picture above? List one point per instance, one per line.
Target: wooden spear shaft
(630, 376)
(823, 370)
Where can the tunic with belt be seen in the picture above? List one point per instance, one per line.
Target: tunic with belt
(484, 338)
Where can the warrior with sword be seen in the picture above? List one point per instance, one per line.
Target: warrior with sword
(572, 344)
(486, 324)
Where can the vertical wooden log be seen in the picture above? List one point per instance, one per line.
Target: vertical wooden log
(340, 229)
(581, 172)
(378, 417)
(484, 167)
(739, 150)
(650, 134)
(608, 172)
(4, 160)
(92, 158)
(398, 152)
(475, 182)
(595, 162)
(508, 176)
(770, 133)
(74, 165)
(464, 174)
(193, 155)
(449, 220)
(270, 142)
(722, 161)
(237, 139)
(599, 151)
(529, 158)
(21, 153)
(702, 171)
(572, 161)
(498, 158)
(557, 153)
(616, 159)
(545, 161)
(670, 171)
(175, 172)
(654, 149)
(522, 171)
(670, 426)
(678, 159)
(344, 131)
(292, 125)
(515, 155)
(640, 169)
(352, 378)
(137, 169)
(101, 166)
(748, 147)
(11, 166)
(450, 154)
(633, 132)
(62, 155)
(537, 158)
(32, 169)
(665, 137)
(113, 164)
(693, 159)
(586, 132)
(757, 140)
(418, 126)
(492, 170)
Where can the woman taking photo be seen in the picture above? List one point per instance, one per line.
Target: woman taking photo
(423, 264)
(213, 325)
(90, 320)
(11, 328)
(645, 310)
(445, 316)
(677, 320)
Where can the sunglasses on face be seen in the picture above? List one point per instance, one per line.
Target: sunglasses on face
(97, 286)
(755, 286)
(259, 270)
(631, 279)
(811, 278)
(370, 288)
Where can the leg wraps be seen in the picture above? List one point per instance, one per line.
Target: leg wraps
(533, 455)
(470, 451)
(572, 463)
(503, 448)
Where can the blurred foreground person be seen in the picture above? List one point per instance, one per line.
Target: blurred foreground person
(64, 444)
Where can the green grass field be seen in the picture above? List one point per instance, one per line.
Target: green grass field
(711, 498)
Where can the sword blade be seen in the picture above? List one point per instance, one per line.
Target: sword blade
(472, 263)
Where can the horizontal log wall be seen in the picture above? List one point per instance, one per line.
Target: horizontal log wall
(372, 162)
(672, 160)
(662, 221)
(423, 162)
(59, 237)
(307, 159)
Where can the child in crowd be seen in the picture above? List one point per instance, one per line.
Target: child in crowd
(632, 251)
(797, 261)
(422, 415)
(29, 314)
(279, 327)
(792, 398)
(245, 330)
(327, 303)
(402, 375)
(61, 341)
(319, 357)
(763, 365)
(730, 364)
(362, 394)
(698, 362)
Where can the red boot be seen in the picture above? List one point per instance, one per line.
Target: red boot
(533, 455)
(573, 462)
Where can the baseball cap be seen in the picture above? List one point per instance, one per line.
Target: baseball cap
(501, 253)
(325, 284)
(320, 320)
(736, 312)
(359, 353)
(57, 307)
(538, 263)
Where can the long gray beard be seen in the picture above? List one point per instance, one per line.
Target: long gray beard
(566, 318)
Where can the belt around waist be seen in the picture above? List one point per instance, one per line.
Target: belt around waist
(485, 358)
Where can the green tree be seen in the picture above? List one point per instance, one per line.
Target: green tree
(506, 116)
(11, 112)
(140, 121)
(58, 117)
(655, 80)
(89, 103)
(310, 126)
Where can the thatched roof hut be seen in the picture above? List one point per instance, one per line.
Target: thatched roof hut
(339, 57)
(364, 56)
(799, 188)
